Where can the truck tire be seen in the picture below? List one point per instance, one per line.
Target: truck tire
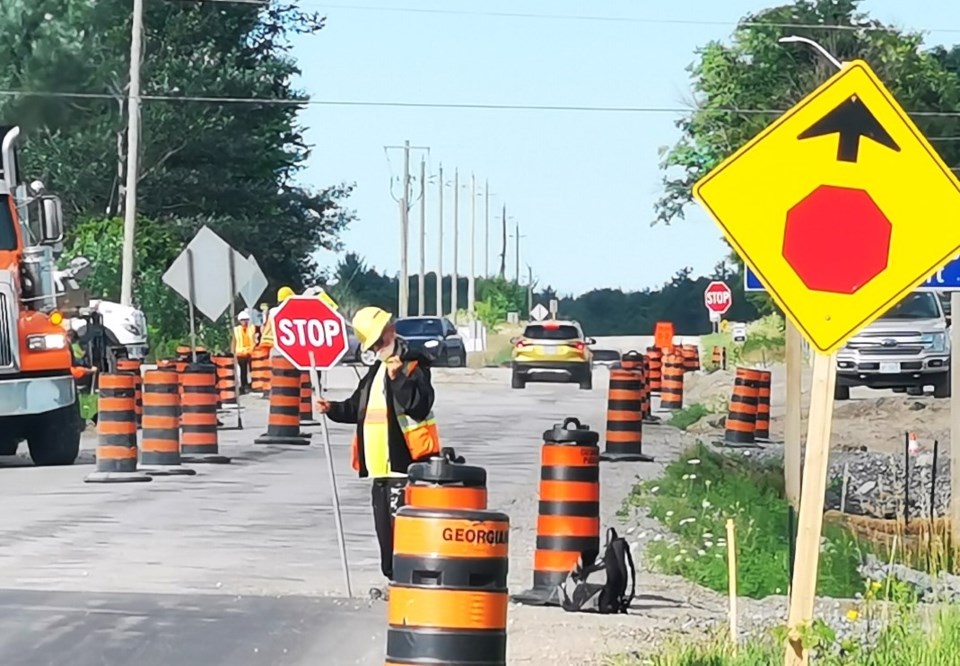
(586, 383)
(517, 381)
(8, 446)
(54, 437)
(841, 392)
(941, 387)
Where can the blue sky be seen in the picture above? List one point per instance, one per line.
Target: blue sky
(581, 184)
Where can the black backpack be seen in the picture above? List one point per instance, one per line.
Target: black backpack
(601, 587)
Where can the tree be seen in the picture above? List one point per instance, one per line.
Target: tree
(232, 165)
(741, 86)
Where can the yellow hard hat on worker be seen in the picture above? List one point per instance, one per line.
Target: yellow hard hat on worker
(284, 293)
(368, 325)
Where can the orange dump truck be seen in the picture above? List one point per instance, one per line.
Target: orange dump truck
(38, 399)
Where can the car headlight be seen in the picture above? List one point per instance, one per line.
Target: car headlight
(936, 341)
(45, 342)
(430, 344)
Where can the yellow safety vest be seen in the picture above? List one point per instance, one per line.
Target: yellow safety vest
(243, 340)
(266, 333)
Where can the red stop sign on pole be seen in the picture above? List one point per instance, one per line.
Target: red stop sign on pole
(718, 298)
(305, 324)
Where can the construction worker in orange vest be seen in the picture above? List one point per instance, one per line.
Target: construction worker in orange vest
(242, 347)
(267, 333)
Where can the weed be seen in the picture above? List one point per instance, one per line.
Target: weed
(686, 417)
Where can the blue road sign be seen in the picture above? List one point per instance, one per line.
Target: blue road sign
(946, 280)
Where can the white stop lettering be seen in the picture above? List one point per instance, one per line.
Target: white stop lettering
(308, 332)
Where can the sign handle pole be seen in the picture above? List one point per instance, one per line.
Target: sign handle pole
(804, 588)
(190, 301)
(230, 324)
(341, 542)
(955, 414)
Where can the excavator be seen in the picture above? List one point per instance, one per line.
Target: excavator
(38, 397)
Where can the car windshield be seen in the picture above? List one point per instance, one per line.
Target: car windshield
(419, 327)
(555, 332)
(606, 355)
(920, 305)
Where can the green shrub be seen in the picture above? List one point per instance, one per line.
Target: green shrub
(686, 417)
(694, 498)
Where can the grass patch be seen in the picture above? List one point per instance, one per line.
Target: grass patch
(88, 405)
(910, 637)
(694, 498)
(686, 417)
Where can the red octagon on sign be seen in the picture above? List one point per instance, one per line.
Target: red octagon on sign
(837, 239)
(304, 324)
(717, 297)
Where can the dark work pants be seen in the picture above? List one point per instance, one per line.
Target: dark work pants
(244, 364)
(387, 495)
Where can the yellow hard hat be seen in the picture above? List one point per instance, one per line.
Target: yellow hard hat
(368, 325)
(284, 293)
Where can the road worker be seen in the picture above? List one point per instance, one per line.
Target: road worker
(242, 347)
(393, 410)
(80, 368)
(267, 332)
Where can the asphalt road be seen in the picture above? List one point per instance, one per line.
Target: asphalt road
(238, 565)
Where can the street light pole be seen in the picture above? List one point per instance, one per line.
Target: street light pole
(133, 152)
(456, 242)
(471, 279)
(440, 243)
(796, 39)
(486, 228)
(422, 276)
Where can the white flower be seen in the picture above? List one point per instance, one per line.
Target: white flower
(778, 590)
(685, 477)
(678, 558)
(705, 503)
(654, 489)
(718, 555)
(701, 553)
(658, 537)
(708, 544)
(693, 461)
(48, 16)
(685, 521)
(693, 476)
(669, 514)
(707, 535)
(658, 558)
(683, 551)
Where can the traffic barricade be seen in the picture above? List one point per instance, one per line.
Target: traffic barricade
(132, 366)
(445, 482)
(306, 401)
(741, 422)
(631, 360)
(116, 431)
(226, 381)
(568, 521)
(199, 440)
(671, 387)
(283, 421)
(624, 442)
(260, 371)
(764, 381)
(448, 599)
(719, 357)
(160, 450)
(691, 357)
(655, 376)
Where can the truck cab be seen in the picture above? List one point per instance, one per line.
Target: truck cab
(907, 349)
(38, 398)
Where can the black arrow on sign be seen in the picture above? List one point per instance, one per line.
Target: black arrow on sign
(851, 120)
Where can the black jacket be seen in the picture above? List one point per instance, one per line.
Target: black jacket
(411, 390)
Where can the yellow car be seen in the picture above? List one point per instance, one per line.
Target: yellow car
(552, 351)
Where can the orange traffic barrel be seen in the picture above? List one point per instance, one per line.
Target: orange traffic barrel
(226, 381)
(445, 482)
(568, 521)
(132, 366)
(448, 599)
(260, 371)
(306, 401)
(283, 421)
(671, 388)
(167, 364)
(117, 431)
(655, 376)
(741, 421)
(691, 357)
(160, 450)
(631, 360)
(199, 441)
(764, 380)
(719, 357)
(625, 417)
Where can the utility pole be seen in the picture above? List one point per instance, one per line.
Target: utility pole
(503, 252)
(422, 277)
(403, 288)
(529, 290)
(486, 228)
(471, 279)
(517, 258)
(440, 243)
(455, 279)
(133, 152)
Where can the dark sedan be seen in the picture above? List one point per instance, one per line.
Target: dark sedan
(436, 337)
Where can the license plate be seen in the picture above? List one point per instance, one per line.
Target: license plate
(889, 368)
(549, 351)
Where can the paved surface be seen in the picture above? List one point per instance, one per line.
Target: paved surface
(238, 565)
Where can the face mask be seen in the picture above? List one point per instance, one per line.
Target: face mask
(387, 352)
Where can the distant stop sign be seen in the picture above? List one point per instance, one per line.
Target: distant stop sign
(718, 298)
(305, 324)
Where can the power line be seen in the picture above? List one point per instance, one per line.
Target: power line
(430, 105)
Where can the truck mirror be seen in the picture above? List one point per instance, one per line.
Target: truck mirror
(51, 219)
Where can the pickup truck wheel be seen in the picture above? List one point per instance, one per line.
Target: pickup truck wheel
(586, 384)
(941, 387)
(8, 446)
(841, 392)
(915, 391)
(54, 437)
(517, 381)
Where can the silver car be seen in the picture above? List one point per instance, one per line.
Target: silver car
(354, 355)
(907, 349)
